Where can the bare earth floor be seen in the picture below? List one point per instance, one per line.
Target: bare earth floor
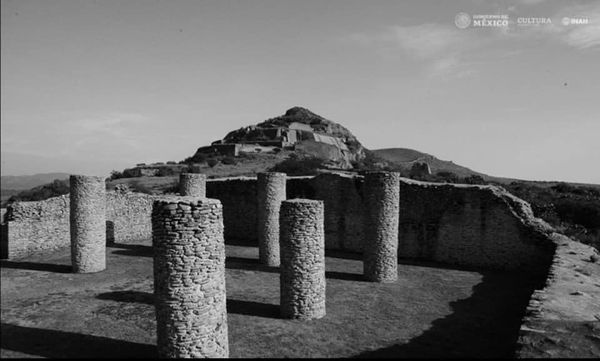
(432, 311)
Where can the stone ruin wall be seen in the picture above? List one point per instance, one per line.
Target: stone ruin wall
(238, 197)
(473, 226)
(566, 304)
(468, 225)
(44, 225)
(36, 226)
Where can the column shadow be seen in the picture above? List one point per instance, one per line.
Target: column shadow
(33, 266)
(128, 296)
(61, 344)
(136, 250)
(249, 264)
(251, 308)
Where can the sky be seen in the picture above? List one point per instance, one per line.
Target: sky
(93, 86)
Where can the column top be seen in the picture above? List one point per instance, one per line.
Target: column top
(303, 201)
(187, 200)
(86, 178)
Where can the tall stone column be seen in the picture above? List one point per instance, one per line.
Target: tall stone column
(192, 184)
(88, 223)
(382, 207)
(189, 277)
(270, 191)
(302, 273)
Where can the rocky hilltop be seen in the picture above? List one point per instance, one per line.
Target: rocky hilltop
(298, 129)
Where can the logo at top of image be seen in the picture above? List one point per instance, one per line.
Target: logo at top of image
(580, 20)
(462, 20)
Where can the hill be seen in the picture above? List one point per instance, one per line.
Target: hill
(405, 158)
(23, 182)
(300, 130)
(11, 185)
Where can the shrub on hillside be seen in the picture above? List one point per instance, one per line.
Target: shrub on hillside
(196, 158)
(445, 176)
(228, 160)
(116, 175)
(298, 166)
(212, 162)
(474, 179)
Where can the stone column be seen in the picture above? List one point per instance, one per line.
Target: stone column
(302, 274)
(270, 191)
(192, 184)
(88, 223)
(189, 277)
(382, 207)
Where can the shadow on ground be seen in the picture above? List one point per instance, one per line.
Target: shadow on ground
(252, 308)
(33, 266)
(477, 327)
(249, 308)
(61, 344)
(128, 296)
(137, 250)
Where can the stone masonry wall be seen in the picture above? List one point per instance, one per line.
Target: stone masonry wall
(563, 315)
(38, 226)
(238, 196)
(478, 226)
(129, 215)
(469, 225)
(189, 278)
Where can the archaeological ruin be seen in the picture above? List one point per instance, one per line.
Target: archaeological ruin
(192, 184)
(302, 274)
(87, 223)
(382, 202)
(189, 277)
(381, 219)
(270, 192)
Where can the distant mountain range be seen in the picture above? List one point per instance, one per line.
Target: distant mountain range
(23, 182)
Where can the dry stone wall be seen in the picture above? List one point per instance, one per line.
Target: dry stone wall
(128, 217)
(270, 193)
(382, 200)
(471, 225)
(189, 278)
(87, 223)
(192, 184)
(39, 226)
(238, 197)
(302, 273)
(563, 315)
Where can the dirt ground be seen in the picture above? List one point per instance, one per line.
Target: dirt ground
(431, 311)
